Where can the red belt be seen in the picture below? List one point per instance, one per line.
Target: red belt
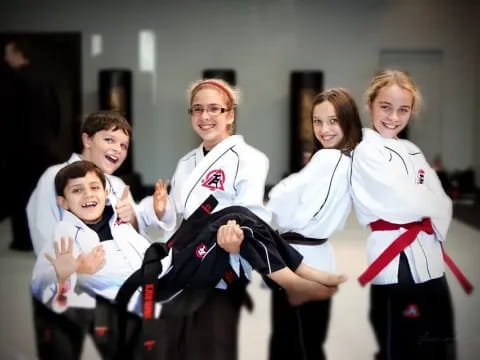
(400, 243)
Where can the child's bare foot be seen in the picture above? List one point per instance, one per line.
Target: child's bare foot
(333, 279)
(321, 277)
(306, 290)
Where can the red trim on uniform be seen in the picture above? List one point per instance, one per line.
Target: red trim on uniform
(399, 244)
(63, 289)
(148, 301)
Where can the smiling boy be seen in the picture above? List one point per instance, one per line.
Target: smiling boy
(105, 138)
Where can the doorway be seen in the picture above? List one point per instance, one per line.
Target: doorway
(55, 62)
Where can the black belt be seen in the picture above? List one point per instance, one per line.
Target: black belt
(299, 239)
(147, 276)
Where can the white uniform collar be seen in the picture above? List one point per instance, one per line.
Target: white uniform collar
(73, 219)
(204, 162)
(73, 158)
(374, 136)
(223, 145)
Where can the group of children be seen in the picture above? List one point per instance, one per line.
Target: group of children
(89, 236)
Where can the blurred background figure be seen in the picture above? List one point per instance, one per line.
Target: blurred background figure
(31, 123)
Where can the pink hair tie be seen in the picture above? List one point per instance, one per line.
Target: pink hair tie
(221, 87)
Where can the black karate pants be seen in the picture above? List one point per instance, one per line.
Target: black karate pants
(413, 321)
(210, 333)
(61, 336)
(298, 332)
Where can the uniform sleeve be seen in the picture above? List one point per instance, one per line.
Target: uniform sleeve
(434, 186)
(299, 197)
(103, 284)
(44, 282)
(388, 193)
(43, 213)
(250, 184)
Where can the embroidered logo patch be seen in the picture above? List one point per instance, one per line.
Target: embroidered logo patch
(201, 251)
(214, 180)
(149, 344)
(229, 276)
(207, 208)
(101, 330)
(420, 176)
(412, 311)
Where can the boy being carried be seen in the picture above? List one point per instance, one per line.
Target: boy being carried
(88, 221)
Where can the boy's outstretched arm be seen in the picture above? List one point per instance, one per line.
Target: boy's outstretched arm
(64, 263)
(125, 208)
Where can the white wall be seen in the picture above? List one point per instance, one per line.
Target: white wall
(263, 41)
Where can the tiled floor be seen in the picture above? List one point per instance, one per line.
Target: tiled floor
(350, 335)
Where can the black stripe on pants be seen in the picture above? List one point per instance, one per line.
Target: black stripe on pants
(298, 332)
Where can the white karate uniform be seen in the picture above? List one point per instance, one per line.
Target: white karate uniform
(391, 180)
(123, 256)
(43, 212)
(314, 202)
(233, 171)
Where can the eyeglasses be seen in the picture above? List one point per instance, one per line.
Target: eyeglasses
(212, 109)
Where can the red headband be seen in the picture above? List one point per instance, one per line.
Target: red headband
(221, 87)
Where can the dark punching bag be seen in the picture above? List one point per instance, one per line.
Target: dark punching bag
(115, 93)
(304, 85)
(225, 74)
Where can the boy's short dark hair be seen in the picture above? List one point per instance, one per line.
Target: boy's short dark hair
(105, 120)
(76, 170)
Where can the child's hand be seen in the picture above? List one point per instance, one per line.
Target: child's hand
(124, 208)
(64, 262)
(92, 262)
(230, 237)
(160, 198)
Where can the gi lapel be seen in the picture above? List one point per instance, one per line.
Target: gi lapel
(205, 170)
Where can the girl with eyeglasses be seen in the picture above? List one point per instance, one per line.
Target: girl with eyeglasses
(225, 166)
(308, 207)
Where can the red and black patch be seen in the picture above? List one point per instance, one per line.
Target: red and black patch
(420, 176)
(101, 330)
(214, 180)
(149, 344)
(201, 251)
(412, 311)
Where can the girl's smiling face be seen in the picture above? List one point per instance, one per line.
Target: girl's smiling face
(391, 110)
(326, 126)
(211, 127)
